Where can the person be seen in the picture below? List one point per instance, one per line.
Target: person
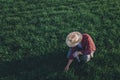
(79, 44)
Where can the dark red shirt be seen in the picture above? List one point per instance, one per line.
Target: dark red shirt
(87, 44)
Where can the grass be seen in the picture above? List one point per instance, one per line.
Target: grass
(33, 33)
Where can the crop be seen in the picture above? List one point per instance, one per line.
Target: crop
(33, 33)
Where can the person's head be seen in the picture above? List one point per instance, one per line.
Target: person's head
(73, 39)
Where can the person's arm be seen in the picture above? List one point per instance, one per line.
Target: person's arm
(68, 64)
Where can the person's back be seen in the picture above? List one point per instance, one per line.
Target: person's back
(87, 44)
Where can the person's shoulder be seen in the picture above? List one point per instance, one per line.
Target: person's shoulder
(86, 35)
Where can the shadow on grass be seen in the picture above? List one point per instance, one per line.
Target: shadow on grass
(45, 67)
(37, 66)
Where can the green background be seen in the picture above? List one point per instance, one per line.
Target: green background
(33, 33)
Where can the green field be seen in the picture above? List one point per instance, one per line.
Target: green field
(33, 33)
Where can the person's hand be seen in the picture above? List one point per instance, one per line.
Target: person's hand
(68, 64)
(66, 68)
(79, 53)
(75, 54)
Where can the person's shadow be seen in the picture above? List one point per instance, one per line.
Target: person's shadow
(33, 66)
(39, 67)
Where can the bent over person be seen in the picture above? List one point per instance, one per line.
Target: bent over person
(80, 44)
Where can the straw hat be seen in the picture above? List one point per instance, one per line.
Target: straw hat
(73, 39)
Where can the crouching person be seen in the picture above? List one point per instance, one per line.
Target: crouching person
(80, 44)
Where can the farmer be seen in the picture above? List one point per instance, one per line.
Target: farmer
(80, 44)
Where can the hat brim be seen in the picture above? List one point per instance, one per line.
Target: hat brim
(76, 43)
